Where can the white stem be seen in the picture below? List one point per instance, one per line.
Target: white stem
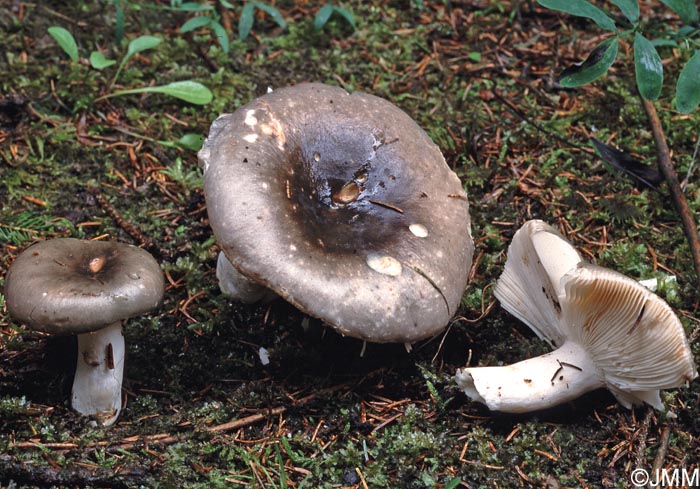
(533, 384)
(238, 286)
(97, 386)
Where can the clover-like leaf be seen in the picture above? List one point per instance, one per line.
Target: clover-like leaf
(595, 66)
(648, 68)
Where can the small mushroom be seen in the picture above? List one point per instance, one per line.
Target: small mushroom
(608, 331)
(343, 206)
(72, 286)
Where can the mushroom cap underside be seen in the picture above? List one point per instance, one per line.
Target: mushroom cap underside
(68, 286)
(632, 335)
(342, 205)
(530, 285)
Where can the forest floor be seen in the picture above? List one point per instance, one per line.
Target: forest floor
(201, 410)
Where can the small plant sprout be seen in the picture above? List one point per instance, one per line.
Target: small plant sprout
(245, 22)
(325, 13)
(187, 90)
(647, 62)
(207, 18)
(608, 331)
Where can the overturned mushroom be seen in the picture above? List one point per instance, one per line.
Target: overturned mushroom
(608, 330)
(71, 286)
(343, 206)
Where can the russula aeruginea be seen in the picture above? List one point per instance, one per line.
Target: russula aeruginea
(70, 286)
(343, 206)
(608, 330)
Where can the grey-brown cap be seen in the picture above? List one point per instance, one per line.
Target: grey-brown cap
(343, 206)
(69, 286)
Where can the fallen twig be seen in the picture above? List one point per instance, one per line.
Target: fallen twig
(254, 418)
(677, 195)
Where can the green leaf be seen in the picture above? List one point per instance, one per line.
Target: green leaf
(630, 9)
(272, 12)
(99, 62)
(136, 46)
(189, 91)
(245, 22)
(66, 41)
(221, 36)
(595, 66)
(195, 23)
(648, 68)
(142, 43)
(191, 141)
(688, 87)
(581, 8)
(685, 9)
(322, 16)
(347, 15)
(454, 483)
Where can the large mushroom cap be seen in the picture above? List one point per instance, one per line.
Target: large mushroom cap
(342, 205)
(68, 286)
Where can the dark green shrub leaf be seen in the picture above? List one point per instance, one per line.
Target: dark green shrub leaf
(221, 35)
(621, 161)
(245, 22)
(648, 68)
(189, 91)
(685, 9)
(66, 41)
(195, 23)
(688, 87)
(630, 9)
(581, 8)
(322, 16)
(99, 62)
(595, 66)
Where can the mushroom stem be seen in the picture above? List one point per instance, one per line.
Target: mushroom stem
(97, 386)
(537, 383)
(239, 287)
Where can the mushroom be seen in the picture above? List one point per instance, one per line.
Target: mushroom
(343, 206)
(608, 331)
(72, 286)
